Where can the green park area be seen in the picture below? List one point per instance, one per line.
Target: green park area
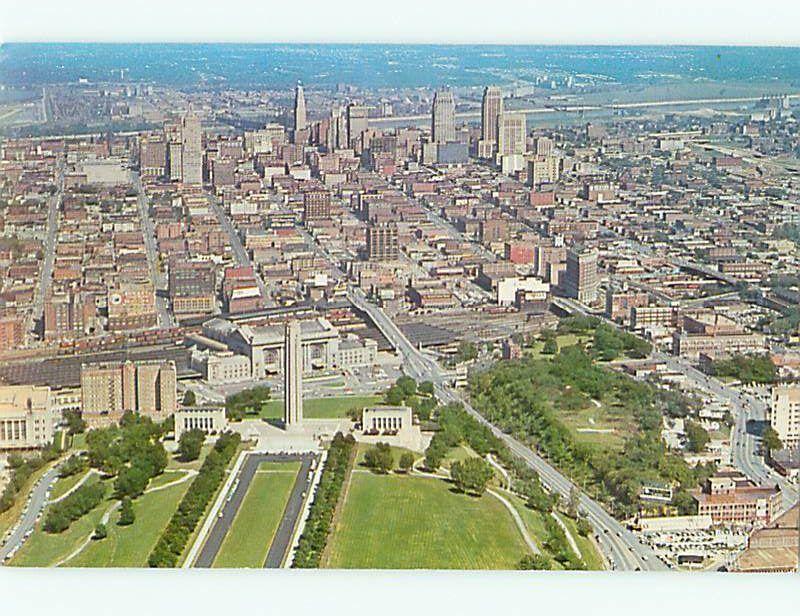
(407, 522)
(596, 424)
(250, 536)
(259, 402)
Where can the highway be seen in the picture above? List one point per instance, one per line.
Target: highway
(46, 274)
(627, 552)
(38, 500)
(283, 534)
(159, 280)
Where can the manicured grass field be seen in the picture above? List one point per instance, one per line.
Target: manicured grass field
(322, 408)
(397, 522)
(129, 546)
(43, 549)
(65, 484)
(250, 535)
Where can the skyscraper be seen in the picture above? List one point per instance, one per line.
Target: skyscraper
(300, 121)
(292, 376)
(580, 279)
(191, 149)
(511, 133)
(443, 117)
(357, 123)
(491, 108)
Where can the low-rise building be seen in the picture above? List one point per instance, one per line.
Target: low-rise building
(26, 418)
(731, 498)
(209, 419)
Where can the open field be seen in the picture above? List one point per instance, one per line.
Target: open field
(129, 546)
(321, 408)
(43, 549)
(250, 535)
(605, 424)
(397, 522)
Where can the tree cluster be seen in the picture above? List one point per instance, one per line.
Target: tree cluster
(247, 402)
(326, 497)
(696, 436)
(746, 368)
(379, 458)
(191, 444)
(72, 466)
(471, 476)
(21, 470)
(420, 397)
(173, 540)
(457, 427)
(73, 507)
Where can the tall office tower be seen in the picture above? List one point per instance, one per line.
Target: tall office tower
(491, 108)
(511, 132)
(152, 156)
(300, 122)
(292, 376)
(191, 149)
(580, 277)
(382, 242)
(784, 414)
(443, 117)
(357, 123)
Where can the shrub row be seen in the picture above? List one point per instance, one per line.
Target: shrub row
(73, 507)
(173, 540)
(318, 526)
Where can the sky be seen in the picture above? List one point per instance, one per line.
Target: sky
(709, 22)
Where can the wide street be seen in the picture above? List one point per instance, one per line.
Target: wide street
(283, 534)
(156, 276)
(38, 500)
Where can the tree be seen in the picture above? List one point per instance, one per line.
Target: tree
(189, 399)
(550, 347)
(407, 385)
(75, 423)
(406, 461)
(535, 562)
(574, 501)
(426, 387)
(696, 436)
(100, 532)
(191, 444)
(771, 439)
(379, 458)
(131, 481)
(471, 476)
(583, 526)
(126, 514)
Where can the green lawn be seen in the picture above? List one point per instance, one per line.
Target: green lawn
(129, 546)
(398, 522)
(168, 476)
(362, 448)
(65, 484)
(322, 408)
(43, 549)
(250, 535)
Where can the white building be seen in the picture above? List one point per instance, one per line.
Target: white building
(26, 418)
(210, 420)
(784, 414)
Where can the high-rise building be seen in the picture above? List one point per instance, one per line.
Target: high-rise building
(292, 376)
(336, 136)
(191, 149)
(580, 278)
(784, 414)
(443, 117)
(382, 242)
(110, 389)
(357, 123)
(543, 169)
(511, 133)
(316, 205)
(491, 109)
(300, 121)
(152, 156)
